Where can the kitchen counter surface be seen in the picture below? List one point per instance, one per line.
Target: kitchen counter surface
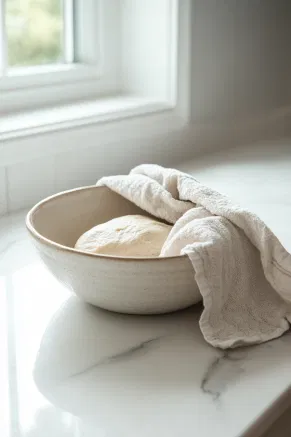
(68, 369)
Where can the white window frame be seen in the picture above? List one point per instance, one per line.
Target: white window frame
(152, 99)
(94, 74)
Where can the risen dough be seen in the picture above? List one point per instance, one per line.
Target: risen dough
(130, 235)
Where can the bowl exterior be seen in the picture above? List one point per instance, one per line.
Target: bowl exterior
(125, 286)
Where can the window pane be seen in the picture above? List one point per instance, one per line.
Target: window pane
(34, 30)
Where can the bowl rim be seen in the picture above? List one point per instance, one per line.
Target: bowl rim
(61, 247)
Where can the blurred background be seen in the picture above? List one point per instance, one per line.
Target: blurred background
(34, 32)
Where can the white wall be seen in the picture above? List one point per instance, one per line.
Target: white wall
(241, 57)
(26, 182)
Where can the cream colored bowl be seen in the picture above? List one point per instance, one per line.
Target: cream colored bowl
(126, 285)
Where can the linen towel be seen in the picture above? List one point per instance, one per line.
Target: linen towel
(242, 270)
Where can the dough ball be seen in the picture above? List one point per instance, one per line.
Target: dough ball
(130, 235)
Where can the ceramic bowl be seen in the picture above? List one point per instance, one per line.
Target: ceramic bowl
(125, 285)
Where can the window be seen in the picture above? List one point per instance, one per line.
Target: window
(89, 60)
(69, 44)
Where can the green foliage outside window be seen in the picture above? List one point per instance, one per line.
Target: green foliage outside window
(34, 31)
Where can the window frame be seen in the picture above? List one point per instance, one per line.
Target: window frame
(140, 113)
(2, 37)
(93, 74)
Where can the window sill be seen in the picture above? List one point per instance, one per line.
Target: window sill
(72, 128)
(77, 114)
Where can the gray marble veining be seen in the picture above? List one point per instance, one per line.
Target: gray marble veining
(224, 368)
(130, 353)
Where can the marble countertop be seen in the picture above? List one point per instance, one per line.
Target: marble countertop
(68, 369)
